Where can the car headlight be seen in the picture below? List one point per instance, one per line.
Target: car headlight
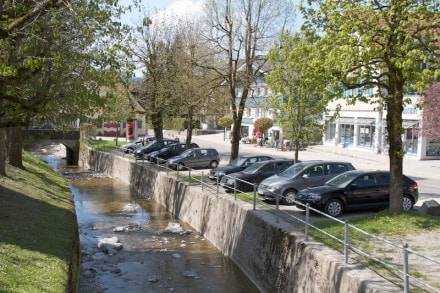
(311, 196)
(220, 173)
(274, 188)
(230, 181)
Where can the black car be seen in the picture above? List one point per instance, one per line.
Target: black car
(355, 190)
(167, 152)
(141, 153)
(254, 174)
(237, 165)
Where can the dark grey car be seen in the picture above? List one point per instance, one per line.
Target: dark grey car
(194, 158)
(254, 174)
(237, 165)
(299, 176)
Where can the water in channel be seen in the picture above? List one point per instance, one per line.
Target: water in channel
(159, 253)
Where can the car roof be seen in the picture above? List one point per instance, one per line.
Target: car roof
(274, 161)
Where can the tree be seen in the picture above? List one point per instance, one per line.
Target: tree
(152, 47)
(55, 66)
(298, 102)
(241, 33)
(225, 122)
(263, 124)
(431, 113)
(14, 18)
(382, 45)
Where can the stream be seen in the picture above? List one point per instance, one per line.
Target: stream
(131, 244)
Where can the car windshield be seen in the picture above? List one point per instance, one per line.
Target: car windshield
(342, 180)
(186, 153)
(150, 144)
(237, 162)
(293, 170)
(254, 168)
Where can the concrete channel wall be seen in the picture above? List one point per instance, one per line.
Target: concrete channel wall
(272, 254)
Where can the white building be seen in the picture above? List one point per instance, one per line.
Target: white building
(360, 126)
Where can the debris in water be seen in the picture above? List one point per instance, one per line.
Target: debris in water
(191, 274)
(173, 228)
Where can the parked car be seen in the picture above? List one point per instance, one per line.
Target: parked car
(356, 190)
(198, 157)
(254, 174)
(236, 165)
(167, 152)
(299, 176)
(155, 145)
(134, 145)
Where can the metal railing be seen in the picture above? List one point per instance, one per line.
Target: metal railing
(401, 271)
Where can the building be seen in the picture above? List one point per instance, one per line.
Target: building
(361, 126)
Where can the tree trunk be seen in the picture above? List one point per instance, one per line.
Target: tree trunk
(2, 152)
(396, 153)
(189, 129)
(14, 145)
(235, 137)
(157, 122)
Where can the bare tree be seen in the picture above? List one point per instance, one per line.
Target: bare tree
(241, 31)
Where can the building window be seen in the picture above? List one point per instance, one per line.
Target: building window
(411, 140)
(366, 135)
(346, 134)
(331, 132)
(433, 148)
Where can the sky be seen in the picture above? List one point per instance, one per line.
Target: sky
(176, 7)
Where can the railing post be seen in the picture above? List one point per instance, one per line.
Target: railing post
(277, 210)
(177, 168)
(168, 167)
(235, 189)
(346, 242)
(405, 269)
(306, 228)
(218, 183)
(201, 181)
(189, 175)
(255, 196)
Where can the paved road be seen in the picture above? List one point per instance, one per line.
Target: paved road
(426, 173)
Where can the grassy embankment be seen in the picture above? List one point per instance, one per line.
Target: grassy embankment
(38, 230)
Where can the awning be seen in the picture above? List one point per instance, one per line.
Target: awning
(364, 121)
(409, 123)
(345, 120)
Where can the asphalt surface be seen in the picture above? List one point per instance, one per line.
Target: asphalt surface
(425, 172)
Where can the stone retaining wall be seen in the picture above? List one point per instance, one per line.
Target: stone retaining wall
(272, 254)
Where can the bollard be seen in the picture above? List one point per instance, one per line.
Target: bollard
(218, 183)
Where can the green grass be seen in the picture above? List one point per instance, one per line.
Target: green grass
(106, 145)
(38, 229)
(382, 224)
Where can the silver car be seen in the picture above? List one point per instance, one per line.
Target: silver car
(299, 176)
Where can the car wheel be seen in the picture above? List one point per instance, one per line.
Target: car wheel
(180, 167)
(407, 203)
(334, 207)
(289, 197)
(213, 164)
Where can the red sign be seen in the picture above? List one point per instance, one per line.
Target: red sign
(131, 130)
